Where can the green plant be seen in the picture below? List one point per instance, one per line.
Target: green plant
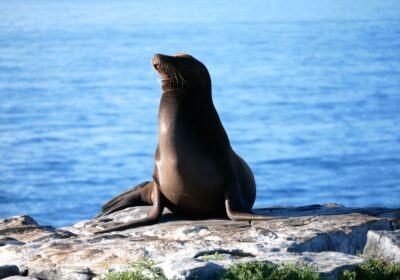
(373, 269)
(214, 257)
(347, 275)
(141, 270)
(269, 271)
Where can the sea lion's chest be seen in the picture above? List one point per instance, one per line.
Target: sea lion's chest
(191, 182)
(183, 165)
(191, 178)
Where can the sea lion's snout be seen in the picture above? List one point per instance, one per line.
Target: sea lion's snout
(157, 61)
(175, 70)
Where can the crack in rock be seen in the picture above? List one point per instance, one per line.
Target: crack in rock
(234, 253)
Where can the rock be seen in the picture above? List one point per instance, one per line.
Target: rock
(8, 270)
(23, 271)
(339, 241)
(20, 278)
(192, 269)
(9, 240)
(326, 237)
(63, 274)
(25, 227)
(384, 244)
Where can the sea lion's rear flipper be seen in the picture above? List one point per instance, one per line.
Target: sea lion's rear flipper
(240, 193)
(137, 196)
(243, 216)
(236, 207)
(157, 200)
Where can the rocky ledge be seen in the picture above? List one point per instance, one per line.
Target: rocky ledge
(329, 238)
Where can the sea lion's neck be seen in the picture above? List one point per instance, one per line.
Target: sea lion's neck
(184, 117)
(172, 105)
(173, 91)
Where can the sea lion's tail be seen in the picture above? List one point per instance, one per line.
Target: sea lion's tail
(135, 196)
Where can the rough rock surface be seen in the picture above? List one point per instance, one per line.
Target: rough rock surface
(326, 237)
(384, 244)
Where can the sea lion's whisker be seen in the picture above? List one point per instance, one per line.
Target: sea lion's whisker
(172, 69)
(163, 68)
(183, 81)
(176, 73)
(170, 73)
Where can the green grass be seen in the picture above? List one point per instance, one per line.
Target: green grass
(141, 270)
(371, 269)
(268, 271)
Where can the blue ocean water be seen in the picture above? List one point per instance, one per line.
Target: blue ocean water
(308, 91)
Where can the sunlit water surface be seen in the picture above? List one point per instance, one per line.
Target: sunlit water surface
(308, 91)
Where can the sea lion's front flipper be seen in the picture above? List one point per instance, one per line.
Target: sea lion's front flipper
(157, 200)
(137, 196)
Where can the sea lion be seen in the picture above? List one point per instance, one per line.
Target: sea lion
(196, 172)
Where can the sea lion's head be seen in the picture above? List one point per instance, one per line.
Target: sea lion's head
(182, 72)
